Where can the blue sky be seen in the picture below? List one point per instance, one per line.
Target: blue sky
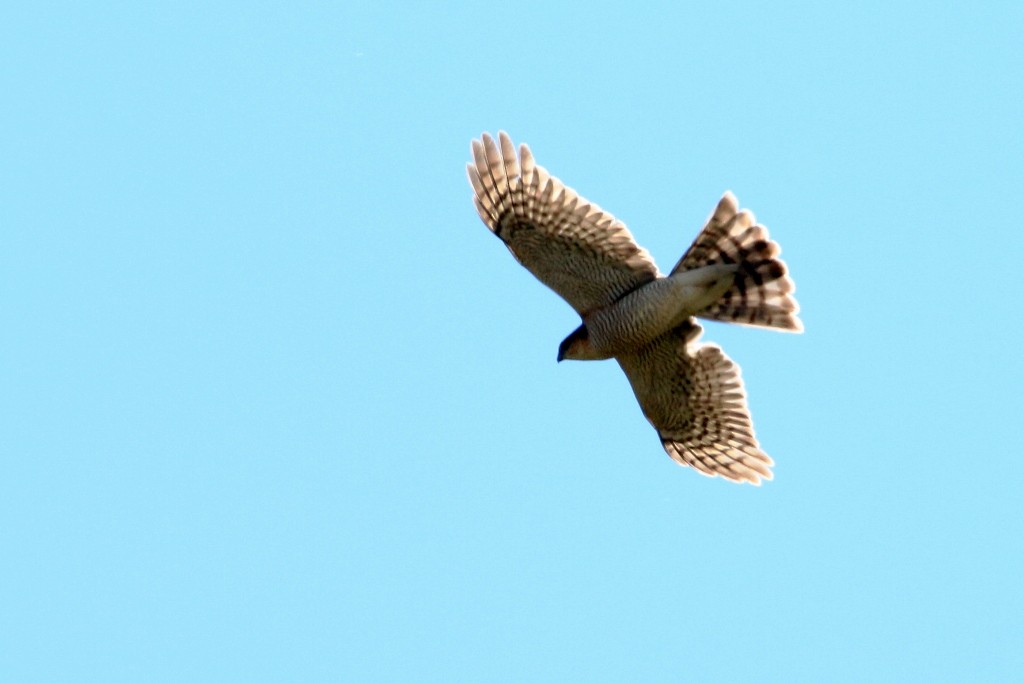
(276, 405)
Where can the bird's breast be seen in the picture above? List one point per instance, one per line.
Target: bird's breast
(637, 318)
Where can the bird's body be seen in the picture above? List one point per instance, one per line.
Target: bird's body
(650, 310)
(691, 393)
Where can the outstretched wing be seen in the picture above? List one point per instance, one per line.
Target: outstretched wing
(581, 252)
(693, 396)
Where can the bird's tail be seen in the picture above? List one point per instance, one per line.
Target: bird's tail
(761, 293)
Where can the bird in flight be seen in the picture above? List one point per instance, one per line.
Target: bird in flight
(691, 393)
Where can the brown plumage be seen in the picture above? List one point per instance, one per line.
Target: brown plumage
(691, 393)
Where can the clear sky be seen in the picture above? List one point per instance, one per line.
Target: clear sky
(275, 405)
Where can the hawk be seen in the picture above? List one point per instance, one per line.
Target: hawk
(691, 393)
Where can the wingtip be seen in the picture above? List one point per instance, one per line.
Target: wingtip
(474, 180)
(490, 146)
(508, 155)
(487, 148)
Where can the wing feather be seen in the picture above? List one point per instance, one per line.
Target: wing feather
(583, 253)
(693, 396)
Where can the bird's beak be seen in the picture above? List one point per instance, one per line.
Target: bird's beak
(561, 356)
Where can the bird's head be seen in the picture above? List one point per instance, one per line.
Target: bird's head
(576, 346)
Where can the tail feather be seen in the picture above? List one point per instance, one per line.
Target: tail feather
(762, 292)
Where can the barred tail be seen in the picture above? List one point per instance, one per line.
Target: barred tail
(762, 292)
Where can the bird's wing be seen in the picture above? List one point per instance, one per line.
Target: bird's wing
(583, 253)
(693, 396)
